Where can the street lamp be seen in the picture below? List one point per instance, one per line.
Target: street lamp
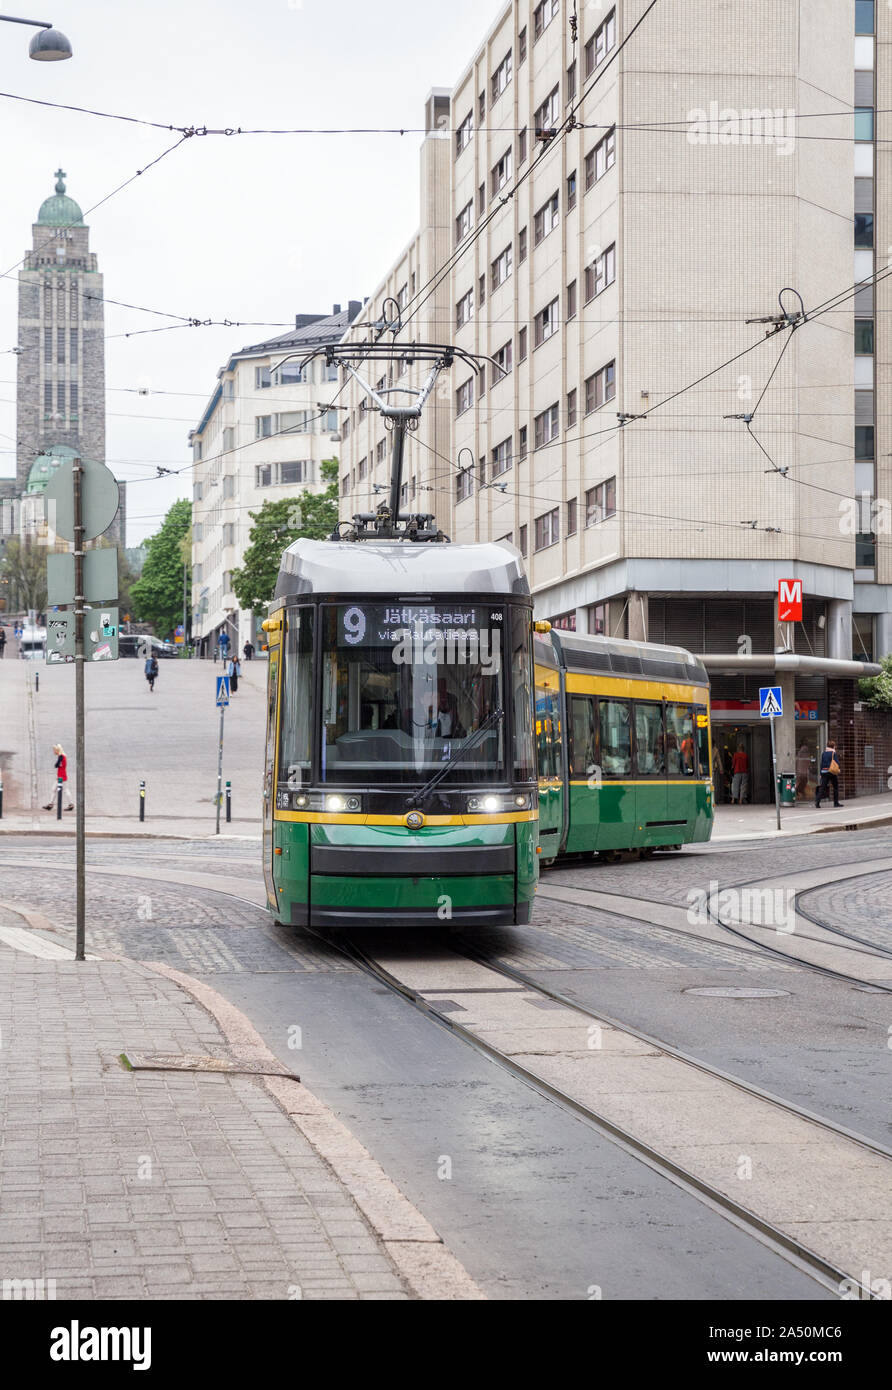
(49, 46)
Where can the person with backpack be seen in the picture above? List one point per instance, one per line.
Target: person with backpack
(151, 670)
(829, 776)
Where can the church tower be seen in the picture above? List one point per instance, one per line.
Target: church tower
(60, 397)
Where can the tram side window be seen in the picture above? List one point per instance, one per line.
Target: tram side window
(296, 721)
(548, 731)
(524, 752)
(616, 738)
(680, 741)
(649, 741)
(702, 722)
(583, 751)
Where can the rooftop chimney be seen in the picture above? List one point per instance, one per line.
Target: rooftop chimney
(353, 308)
(336, 308)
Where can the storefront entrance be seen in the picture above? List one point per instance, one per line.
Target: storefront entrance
(755, 740)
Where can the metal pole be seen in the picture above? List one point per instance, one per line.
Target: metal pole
(184, 607)
(80, 804)
(228, 801)
(58, 799)
(1, 796)
(220, 769)
(396, 470)
(774, 773)
(36, 681)
(142, 801)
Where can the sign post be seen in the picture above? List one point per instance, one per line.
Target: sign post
(771, 706)
(222, 702)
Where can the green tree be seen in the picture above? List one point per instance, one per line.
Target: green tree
(276, 525)
(157, 596)
(23, 572)
(876, 691)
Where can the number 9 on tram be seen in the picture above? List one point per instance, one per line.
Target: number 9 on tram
(400, 781)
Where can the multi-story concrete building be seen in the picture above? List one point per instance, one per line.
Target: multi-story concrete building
(60, 395)
(661, 460)
(262, 437)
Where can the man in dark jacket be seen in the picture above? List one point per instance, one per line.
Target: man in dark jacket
(829, 775)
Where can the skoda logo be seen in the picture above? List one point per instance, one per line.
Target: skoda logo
(415, 820)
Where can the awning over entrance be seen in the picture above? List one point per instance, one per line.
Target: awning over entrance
(789, 663)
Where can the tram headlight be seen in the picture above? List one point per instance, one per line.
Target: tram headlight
(337, 803)
(301, 801)
(490, 803)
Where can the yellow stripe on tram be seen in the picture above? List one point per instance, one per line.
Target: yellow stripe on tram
(579, 684)
(339, 818)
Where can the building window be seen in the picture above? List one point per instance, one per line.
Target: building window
(501, 458)
(503, 360)
(600, 44)
(197, 531)
(547, 115)
(601, 273)
(572, 522)
(865, 551)
(263, 426)
(547, 529)
(864, 229)
(501, 77)
(864, 16)
(464, 484)
(597, 620)
(501, 268)
(381, 451)
(600, 502)
(565, 622)
(288, 374)
(600, 159)
(262, 378)
(546, 219)
(47, 345)
(522, 541)
(522, 146)
(228, 440)
(501, 172)
(60, 345)
(481, 200)
(464, 222)
(196, 451)
(522, 444)
(521, 246)
(546, 322)
(570, 84)
(864, 445)
(362, 468)
(522, 345)
(296, 471)
(543, 14)
(864, 337)
(481, 383)
(522, 45)
(571, 300)
(197, 492)
(464, 396)
(481, 109)
(600, 387)
(481, 291)
(464, 132)
(571, 408)
(72, 346)
(863, 123)
(228, 485)
(72, 398)
(464, 309)
(228, 533)
(571, 191)
(263, 475)
(229, 389)
(345, 484)
(545, 427)
(402, 298)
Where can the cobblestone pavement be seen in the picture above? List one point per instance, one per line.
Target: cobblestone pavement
(122, 1184)
(862, 906)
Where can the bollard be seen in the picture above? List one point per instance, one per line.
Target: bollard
(36, 680)
(1, 796)
(59, 799)
(228, 802)
(142, 801)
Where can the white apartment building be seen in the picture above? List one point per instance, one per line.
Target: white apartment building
(262, 437)
(713, 163)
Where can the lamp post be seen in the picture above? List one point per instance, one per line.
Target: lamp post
(49, 46)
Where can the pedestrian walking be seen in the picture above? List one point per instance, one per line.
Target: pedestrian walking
(2, 642)
(61, 766)
(151, 670)
(249, 651)
(234, 670)
(740, 777)
(829, 776)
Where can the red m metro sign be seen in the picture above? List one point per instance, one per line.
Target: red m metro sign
(789, 601)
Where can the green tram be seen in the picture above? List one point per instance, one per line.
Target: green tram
(400, 781)
(634, 772)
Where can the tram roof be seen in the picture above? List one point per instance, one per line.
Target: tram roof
(400, 569)
(618, 657)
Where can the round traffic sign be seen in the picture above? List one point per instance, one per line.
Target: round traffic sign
(99, 499)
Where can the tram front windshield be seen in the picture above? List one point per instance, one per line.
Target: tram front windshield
(405, 686)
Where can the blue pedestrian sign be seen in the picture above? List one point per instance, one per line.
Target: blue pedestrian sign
(771, 702)
(223, 690)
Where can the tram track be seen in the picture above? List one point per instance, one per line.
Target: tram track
(829, 1274)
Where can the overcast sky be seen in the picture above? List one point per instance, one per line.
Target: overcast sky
(252, 227)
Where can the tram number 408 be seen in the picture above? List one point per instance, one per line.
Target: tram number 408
(495, 617)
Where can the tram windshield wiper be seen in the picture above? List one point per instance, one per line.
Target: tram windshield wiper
(419, 798)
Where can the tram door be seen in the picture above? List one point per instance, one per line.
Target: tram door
(269, 773)
(549, 736)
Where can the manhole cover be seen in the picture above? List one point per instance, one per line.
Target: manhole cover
(736, 992)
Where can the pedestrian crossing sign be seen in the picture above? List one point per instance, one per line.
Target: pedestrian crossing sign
(222, 690)
(771, 703)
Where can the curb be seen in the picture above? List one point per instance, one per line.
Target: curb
(428, 1267)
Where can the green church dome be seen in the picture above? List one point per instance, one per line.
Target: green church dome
(45, 465)
(60, 210)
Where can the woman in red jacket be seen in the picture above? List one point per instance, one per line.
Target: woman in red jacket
(61, 776)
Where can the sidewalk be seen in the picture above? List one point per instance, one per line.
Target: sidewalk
(760, 822)
(204, 1172)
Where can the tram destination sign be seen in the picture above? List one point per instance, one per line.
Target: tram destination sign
(426, 634)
